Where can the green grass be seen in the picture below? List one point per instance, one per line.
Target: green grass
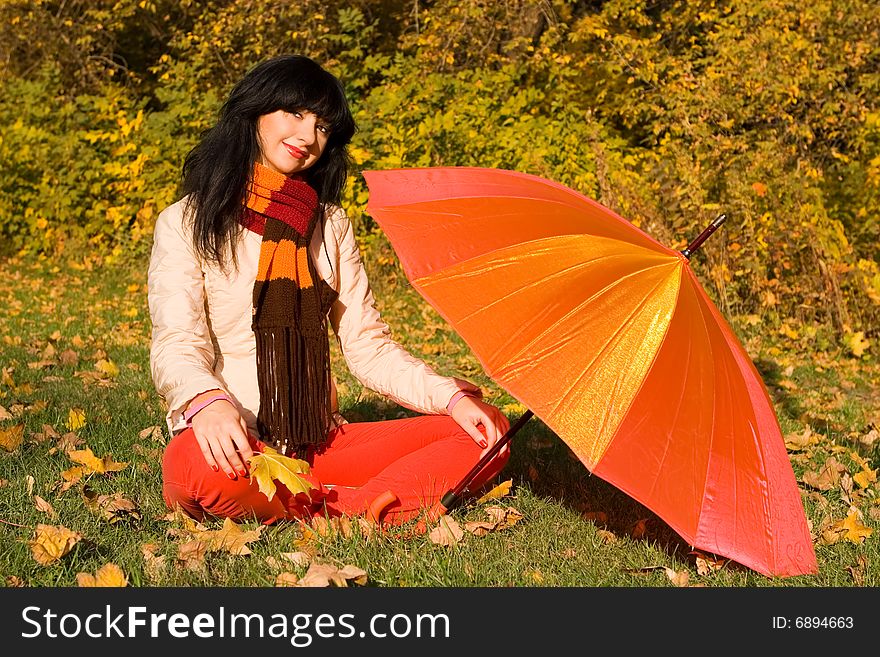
(576, 530)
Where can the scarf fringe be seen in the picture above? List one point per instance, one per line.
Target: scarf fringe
(294, 414)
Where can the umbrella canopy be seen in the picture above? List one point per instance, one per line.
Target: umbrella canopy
(609, 338)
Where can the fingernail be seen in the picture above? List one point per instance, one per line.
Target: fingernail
(483, 444)
(215, 468)
(231, 476)
(242, 472)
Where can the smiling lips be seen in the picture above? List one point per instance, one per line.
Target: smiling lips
(294, 151)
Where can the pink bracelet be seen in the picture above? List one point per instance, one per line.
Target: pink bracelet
(457, 396)
(190, 412)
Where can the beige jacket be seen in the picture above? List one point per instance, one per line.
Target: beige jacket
(202, 337)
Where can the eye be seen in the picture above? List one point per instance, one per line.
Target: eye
(324, 128)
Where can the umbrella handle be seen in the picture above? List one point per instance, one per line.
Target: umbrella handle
(702, 237)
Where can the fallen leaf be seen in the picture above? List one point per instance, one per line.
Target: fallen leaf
(30, 484)
(707, 564)
(321, 526)
(597, 517)
(44, 506)
(11, 437)
(269, 466)
(4, 414)
(858, 571)
(796, 442)
(76, 419)
(229, 538)
(107, 575)
(68, 357)
(680, 578)
(14, 581)
(113, 508)
(51, 542)
(322, 574)
(639, 529)
(286, 579)
(107, 367)
(94, 464)
(504, 517)
(447, 532)
(67, 442)
(501, 490)
(155, 433)
(868, 439)
(606, 536)
(192, 554)
(849, 529)
(827, 478)
(858, 344)
(154, 565)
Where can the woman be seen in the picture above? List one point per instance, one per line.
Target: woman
(246, 271)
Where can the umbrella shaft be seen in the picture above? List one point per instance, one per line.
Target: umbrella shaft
(697, 243)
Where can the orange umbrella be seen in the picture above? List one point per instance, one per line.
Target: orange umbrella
(609, 338)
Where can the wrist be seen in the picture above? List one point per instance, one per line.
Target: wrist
(458, 396)
(202, 401)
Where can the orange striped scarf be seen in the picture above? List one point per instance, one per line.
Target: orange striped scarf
(291, 303)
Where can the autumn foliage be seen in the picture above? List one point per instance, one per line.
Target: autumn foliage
(668, 112)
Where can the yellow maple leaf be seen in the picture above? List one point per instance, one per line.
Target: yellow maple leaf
(76, 419)
(270, 466)
(230, 538)
(849, 529)
(51, 542)
(858, 344)
(94, 464)
(498, 492)
(865, 478)
(107, 575)
(11, 438)
(108, 367)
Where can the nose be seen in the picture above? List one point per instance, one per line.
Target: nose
(307, 132)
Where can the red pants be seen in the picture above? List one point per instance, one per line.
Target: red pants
(418, 459)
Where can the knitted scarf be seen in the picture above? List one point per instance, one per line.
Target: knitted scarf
(291, 303)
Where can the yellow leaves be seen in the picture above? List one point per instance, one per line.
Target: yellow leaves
(92, 463)
(826, 478)
(858, 344)
(848, 529)
(501, 490)
(107, 367)
(76, 419)
(270, 466)
(759, 188)
(51, 542)
(11, 437)
(108, 575)
(229, 538)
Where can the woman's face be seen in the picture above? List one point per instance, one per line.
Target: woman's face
(291, 142)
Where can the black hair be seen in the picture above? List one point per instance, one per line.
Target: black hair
(216, 172)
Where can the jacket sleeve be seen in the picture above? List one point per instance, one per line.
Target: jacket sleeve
(376, 360)
(181, 351)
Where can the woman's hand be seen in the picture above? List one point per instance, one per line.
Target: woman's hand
(485, 423)
(223, 438)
